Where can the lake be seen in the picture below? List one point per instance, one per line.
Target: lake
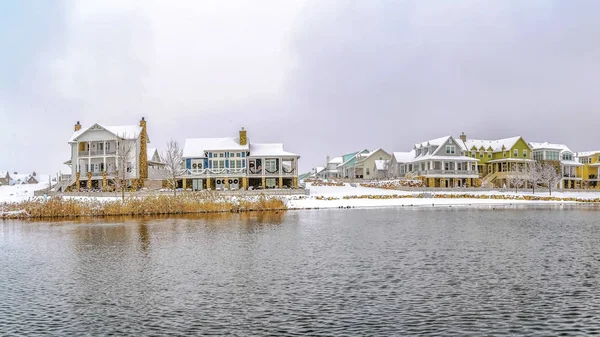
(515, 270)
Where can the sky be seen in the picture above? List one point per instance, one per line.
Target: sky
(323, 77)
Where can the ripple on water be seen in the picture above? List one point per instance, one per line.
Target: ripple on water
(331, 273)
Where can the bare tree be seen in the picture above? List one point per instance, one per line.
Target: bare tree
(533, 172)
(550, 175)
(172, 157)
(517, 179)
(125, 165)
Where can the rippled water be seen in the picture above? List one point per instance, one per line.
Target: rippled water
(510, 271)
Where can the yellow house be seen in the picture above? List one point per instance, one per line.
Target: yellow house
(590, 171)
(499, 158)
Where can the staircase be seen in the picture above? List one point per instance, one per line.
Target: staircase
(63, 184)
(487, 180)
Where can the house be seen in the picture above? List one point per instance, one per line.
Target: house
(590, 171)
(561, 156)
(98, 151)
(4, 178)
(347, 168)
(237, 163)
(396, 167)
(441, 162)
(364, 167)
(498, 159)
(331, 170)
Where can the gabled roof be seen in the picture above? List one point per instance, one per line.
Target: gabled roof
(269, 149)
(122, 131)
(336, 160)
(403, 157)
(3, 174)
(196, 147)
(587, 153)
(435, 142)
(496, 145)
(351, 158)
(365, 156)
(559, 147)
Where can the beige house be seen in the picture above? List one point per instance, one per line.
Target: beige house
(4, 178)
(366, 167)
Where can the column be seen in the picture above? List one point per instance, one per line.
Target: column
(264, 182)
(104, 148)
(208, 183)
(104, 180)
(227, 183)
(295, 182)
(245, 183)
(89, 182)
(184, 183)
(280, 182)
(77, 175)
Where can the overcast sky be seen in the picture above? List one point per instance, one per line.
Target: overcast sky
(323, 77)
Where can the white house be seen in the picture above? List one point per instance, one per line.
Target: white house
(559, 153)
(95, 151)
(441, 162)
(237, 163)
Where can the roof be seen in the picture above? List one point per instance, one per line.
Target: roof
(269, 149)
(587, 153)
(434, 142)
(496, 144)
(403, 157)
(3, 173)
(546, 145)
(351, 158)
(123, 131)
(571, 163)
(381, 165)
(195, 147)
(336, 160)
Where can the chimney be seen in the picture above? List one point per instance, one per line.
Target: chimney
(243, 138)
(327, 158)
(77, 126)
(463, 137)
(143, 162)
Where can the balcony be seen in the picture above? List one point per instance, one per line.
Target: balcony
(215, 172)
(473, 173)
(96, 153)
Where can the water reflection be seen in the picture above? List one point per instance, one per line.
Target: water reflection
(506, 271)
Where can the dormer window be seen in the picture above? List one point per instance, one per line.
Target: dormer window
(450, 149)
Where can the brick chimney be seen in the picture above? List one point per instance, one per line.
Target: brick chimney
(77, 126)
(143, 153)
(463, 137)
(243, 138)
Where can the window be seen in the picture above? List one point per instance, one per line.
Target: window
(504, 154)
(235, 164)
(450, 149)
(489, 155)
(481, 154)
(129, 164)
(221, 155)
(515, 153)
(271, 165)
(238, 154)
(218, 164)
(368, 171)
(524, 153)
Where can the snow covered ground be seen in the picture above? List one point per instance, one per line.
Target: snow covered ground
(20, 192)
(348, 196)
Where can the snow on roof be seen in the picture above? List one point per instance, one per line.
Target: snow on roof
(3, 173)
(123, 131)
(195, 147)
(319, 169)
(546, 145)
(587, 153)
(381, 165)
(403, 157)
(496, 144)
(269, 149)
(434, 142)
(336, 160)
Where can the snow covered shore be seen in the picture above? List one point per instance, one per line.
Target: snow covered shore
(20, 192)
(349, 196)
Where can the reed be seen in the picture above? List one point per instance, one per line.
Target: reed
(150, 205)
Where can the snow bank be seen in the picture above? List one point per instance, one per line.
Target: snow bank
(20, 192)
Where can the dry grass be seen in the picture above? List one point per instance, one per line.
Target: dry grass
(152, 205)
